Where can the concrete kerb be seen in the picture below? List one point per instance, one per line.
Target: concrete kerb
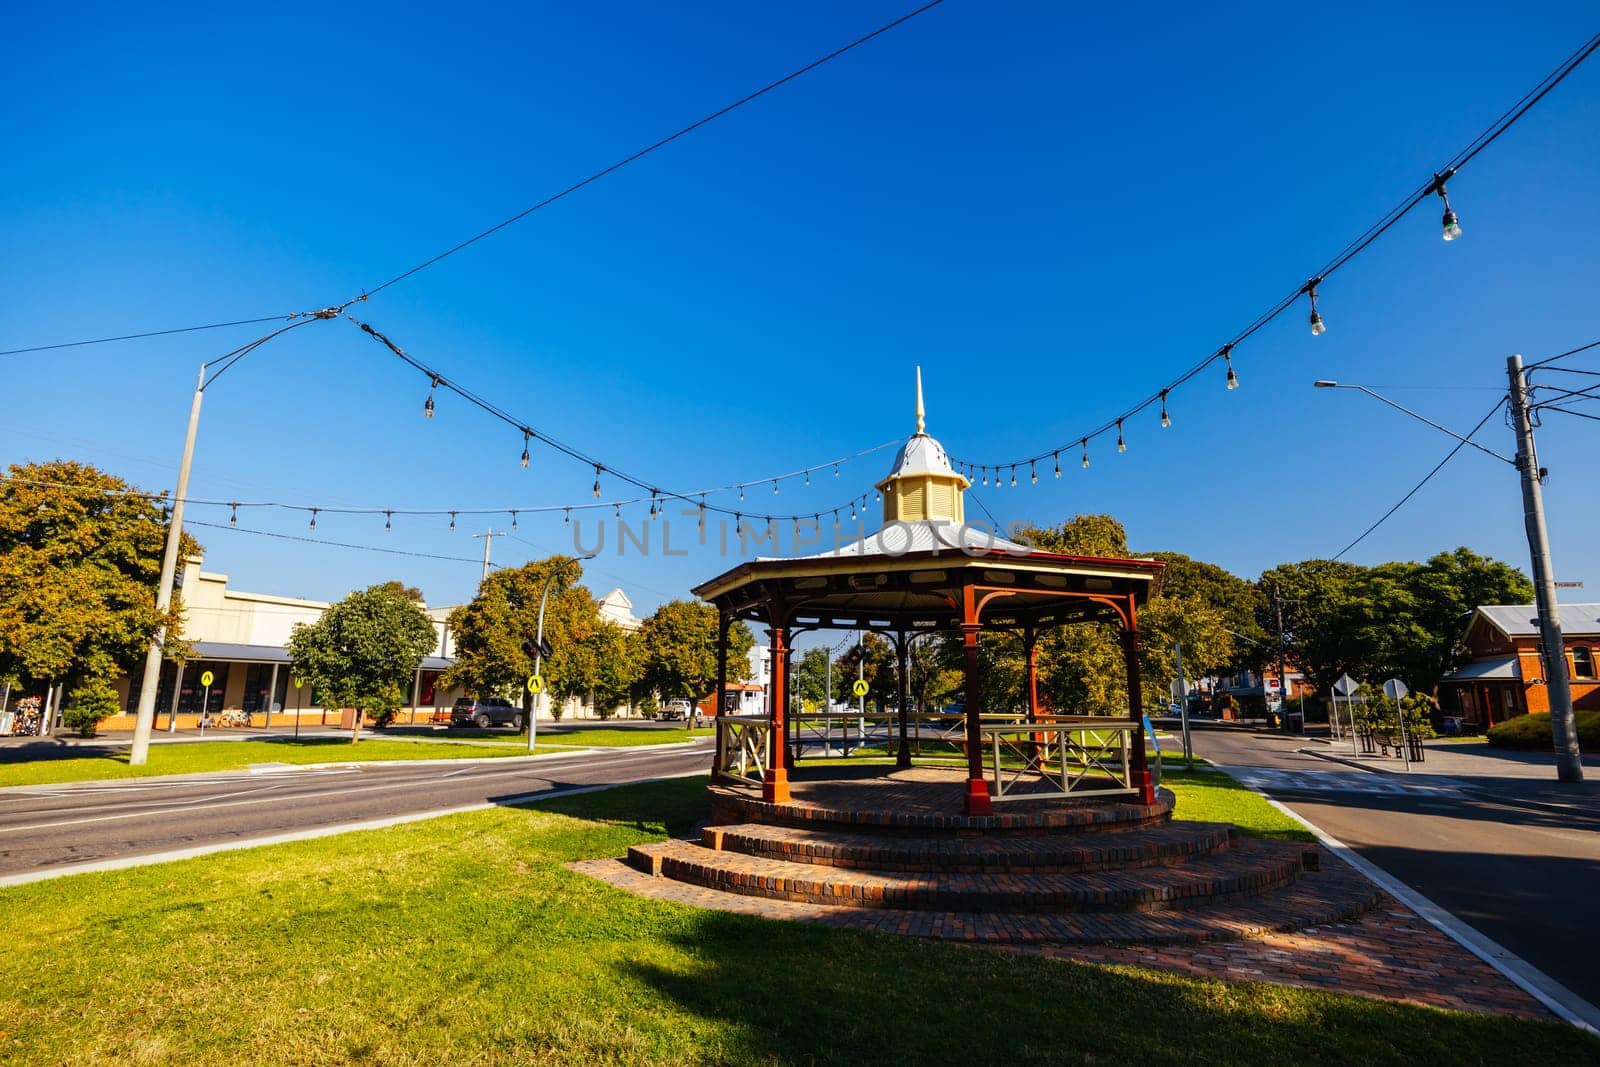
(174, 855)
(1561, 1001)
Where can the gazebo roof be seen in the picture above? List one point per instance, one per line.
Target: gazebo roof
(928, 573)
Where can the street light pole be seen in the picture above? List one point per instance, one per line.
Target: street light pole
(1563, 728)
(144, 721)
(538, 644)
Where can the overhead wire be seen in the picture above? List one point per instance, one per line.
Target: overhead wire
(1433, 185)
(1426, 479)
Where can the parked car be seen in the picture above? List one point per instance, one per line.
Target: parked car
(485, 712)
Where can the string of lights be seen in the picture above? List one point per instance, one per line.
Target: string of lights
(546, 202)
(336, 544)
(658, 496)
(1450, 224)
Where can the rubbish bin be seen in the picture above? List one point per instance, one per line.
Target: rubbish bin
(1297, 722)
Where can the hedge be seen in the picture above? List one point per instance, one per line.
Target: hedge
(1532, 732)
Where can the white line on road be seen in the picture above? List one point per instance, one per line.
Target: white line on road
(1561, 1001)
(126, 862)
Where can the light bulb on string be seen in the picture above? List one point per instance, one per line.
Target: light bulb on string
(1317, 325)
(1122, 446)
(1013, 476)
(427, 405)
(1227, 357)
(852, 511)
(513, 520)
(1058, 464)
(314, 518)
(774, 487)
(1166, 420)
(836, 470)
(985, 475)
(452, 520)
(567, 520)
(1033, 473)
(233, 515)
(525, 436)
(1085, 444)
(597, 469)
(808, 477)
(1452, 225)
(388, 521)
(741, 492)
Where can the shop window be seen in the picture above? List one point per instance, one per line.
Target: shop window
(1582, 662)
(193, 692)
(257, 680)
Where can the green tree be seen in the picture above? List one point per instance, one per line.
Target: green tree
(80, 554)
(363, 651)
(874, 656)
(491, 629)
(680, 650)
(811, 677)
(617, 666)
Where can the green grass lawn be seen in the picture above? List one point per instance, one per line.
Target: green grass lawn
(1212, 796)
(465, 940)
(610, 736)
(187, 758)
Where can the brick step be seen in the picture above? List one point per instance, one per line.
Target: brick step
(1168, 843)
(1244, 871)
(739, 804)
(1333, 893)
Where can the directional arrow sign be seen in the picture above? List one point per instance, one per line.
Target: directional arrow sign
(206, 679)
(535, 684)
(860, 687)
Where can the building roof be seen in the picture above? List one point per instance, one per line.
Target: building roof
(932, 535)
(235, 653)
(1482, 670)
(1519, 620)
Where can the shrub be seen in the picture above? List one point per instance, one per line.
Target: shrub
(1379, 715)
(90, 703)
(1532, 732)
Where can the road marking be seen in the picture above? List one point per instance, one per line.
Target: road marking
(174, 806)
(126, 862)
(1264, 778)
(1562, 1002)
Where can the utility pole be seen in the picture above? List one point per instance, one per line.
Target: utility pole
(1569, 762)
(488, 542)
(1283, 675)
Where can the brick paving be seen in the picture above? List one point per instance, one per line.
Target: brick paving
(1101, 880)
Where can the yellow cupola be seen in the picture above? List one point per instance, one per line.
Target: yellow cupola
(922, 486)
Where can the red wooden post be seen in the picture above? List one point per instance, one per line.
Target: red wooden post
(903, 758)
(1031, 640)
(977, 789)
(1140, 770)
(775, 783)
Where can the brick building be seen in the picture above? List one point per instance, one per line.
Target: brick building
(1506, 675)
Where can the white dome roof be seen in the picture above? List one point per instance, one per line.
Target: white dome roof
(921, 454)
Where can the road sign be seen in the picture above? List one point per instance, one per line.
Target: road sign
(298, 683)
(859, 687)
(206, 679)
(1395, 689)
(1346, 686)
(535, 684)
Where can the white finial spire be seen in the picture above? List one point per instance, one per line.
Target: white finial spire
(920, 419)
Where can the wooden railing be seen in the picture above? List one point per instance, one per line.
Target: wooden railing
(742, 742)
(1059, 755)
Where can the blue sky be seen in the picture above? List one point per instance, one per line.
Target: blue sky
(1052, 211)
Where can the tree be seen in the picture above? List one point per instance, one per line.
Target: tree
(491, 630)
(80, 555)
(874, 659)
(811, 677)
(617, 666)
(363, 651)
(680, 650)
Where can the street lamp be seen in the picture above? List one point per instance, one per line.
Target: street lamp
(144, 722)
(1569, 763)
(538, 645)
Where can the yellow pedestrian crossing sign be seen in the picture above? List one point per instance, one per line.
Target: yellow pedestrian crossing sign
(535, 684)
(206, 679)
(860, 687)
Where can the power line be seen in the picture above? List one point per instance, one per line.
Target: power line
(334, 544)
(619, 164)
(1435, 185)
(1414, 489)
(151, 333)
(1564, 355)
(546, 202)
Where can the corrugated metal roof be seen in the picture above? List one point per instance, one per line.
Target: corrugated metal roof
(1504, 668)
(1518, 620)
(901, 538)
(224, 650)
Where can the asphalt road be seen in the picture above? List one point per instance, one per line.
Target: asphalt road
(54, 825)
(1517, 860)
